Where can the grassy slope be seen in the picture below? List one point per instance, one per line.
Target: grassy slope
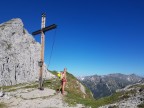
(74, 95)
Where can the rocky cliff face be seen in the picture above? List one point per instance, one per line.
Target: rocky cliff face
(102, 86)
(19, 55)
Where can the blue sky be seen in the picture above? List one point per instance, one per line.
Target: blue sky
(92, 37)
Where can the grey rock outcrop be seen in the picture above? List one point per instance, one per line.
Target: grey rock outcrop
(132, 97)
(19, 55)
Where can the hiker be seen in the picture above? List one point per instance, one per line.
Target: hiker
(63, 80)
(62, 77)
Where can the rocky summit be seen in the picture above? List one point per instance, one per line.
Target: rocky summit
(19, 55)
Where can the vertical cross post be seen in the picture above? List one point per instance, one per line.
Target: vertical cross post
(42, 32)
(42, 51)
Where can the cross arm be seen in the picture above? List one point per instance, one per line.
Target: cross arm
(53, 26)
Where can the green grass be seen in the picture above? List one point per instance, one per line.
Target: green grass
(8, 87)
(2, 105)
(31, 86)
(11, 88)
(25, 86)
(75, 96)
(138, 85)
(19, 86)
(141, 105)
(72, 99)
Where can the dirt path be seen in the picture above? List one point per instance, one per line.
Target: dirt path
(34, 98)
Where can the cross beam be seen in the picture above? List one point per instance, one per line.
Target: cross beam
(53, 26)
(42, 32)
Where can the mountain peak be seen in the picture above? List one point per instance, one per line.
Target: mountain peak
(106, 85)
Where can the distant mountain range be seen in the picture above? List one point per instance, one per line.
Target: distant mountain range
(106, 85)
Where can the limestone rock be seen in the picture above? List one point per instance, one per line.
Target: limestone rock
(133, 96)
(19, 55)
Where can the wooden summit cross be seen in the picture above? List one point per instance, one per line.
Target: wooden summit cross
(42, 32)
